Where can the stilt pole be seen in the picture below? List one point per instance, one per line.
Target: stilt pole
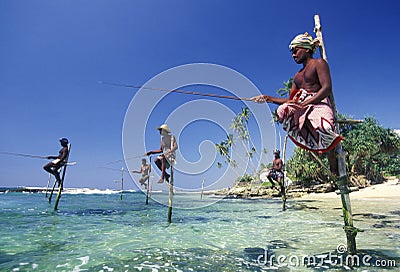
(171, 193)
(122, 182)
(61, 185)
(52, 190)
(48, 183)
(148, 184)
(283, 183)
(202, 189)
(342, 181)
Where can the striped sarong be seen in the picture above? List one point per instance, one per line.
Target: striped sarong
(310, 127)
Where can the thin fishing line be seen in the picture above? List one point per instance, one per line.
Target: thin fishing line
(113, 169)
(23, 155)
(121, 160)
(177, 91)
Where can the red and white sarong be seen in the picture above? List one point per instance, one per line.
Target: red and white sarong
(310, 127)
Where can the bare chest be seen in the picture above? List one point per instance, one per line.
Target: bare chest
(307, 78)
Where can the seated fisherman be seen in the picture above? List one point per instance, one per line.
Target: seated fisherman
(144, 170)
(307, 115)
(58, 161)
(276, 172)
(168, 148)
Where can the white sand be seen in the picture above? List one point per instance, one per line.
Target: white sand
(389, 189)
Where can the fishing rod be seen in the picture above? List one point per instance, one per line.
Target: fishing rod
(116, 169)
(112, 169)
(24, 155)
(121, 160)
(177, 91)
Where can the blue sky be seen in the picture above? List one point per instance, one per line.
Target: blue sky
(54, 53)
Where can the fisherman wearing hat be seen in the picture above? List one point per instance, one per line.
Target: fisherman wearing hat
(276, 172)
(144, 170)
(167, 148)
(58, 161)
(307, 115)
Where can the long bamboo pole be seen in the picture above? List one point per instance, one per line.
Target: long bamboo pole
(148, 183)
(202, 189)
(52, 190)
(283, 183)
(342, 181)
(48, 183)
(122, 182)
(61, 185)
(171, 193)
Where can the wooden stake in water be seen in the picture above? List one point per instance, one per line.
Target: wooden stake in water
(342, 181)
(48, 183)
(61, 185)
(171, 193)
(122, 182)
(202, 189)
(52, 190)
(148, 183)
(283, 182)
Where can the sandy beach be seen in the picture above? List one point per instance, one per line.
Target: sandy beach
(389, 189)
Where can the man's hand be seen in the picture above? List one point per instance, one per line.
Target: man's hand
(261, 98)
(297, 103)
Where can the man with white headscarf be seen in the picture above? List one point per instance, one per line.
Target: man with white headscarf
(307, 115)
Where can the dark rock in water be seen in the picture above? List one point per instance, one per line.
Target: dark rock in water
(255, 254)
(23, 190)
(387, 224)
(397, 212)
(264, 216)
(370, 215)
(301, 206)
(274, 244)
(94, 212)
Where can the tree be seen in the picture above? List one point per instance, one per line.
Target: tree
(371, 150)
(241, 134)
(303, 167)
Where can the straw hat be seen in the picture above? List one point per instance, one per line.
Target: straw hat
(164, 127)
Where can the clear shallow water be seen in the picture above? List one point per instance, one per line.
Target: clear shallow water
(100, 232)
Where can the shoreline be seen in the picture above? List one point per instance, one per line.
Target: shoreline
(389, 189)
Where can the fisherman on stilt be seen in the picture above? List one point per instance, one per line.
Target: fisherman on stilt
(276, 172)
(144, 170)
(167, 148)
(307, 115)
(58, 161)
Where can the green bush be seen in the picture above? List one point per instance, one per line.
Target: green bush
(371, 150)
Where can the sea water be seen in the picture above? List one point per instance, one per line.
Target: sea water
(102, 232)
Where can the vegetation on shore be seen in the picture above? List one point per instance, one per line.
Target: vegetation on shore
(372, 152)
